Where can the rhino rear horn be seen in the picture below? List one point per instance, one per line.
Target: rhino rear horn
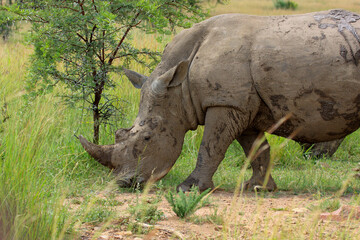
(135, 78)
(102, 154)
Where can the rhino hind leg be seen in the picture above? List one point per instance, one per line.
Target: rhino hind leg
(322, 149)
(260, 164)
(222, 125)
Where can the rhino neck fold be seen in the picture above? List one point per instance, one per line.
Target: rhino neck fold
(192, 116)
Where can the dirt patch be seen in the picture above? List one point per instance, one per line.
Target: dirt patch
(277, 215)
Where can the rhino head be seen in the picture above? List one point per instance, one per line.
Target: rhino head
(148, 149)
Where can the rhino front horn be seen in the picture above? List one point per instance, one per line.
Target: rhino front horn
(102, 154)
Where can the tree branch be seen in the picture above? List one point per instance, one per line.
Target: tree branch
(103, 48)
(99, 56)
(92, 33)
(69, 61)
(118, 9)
(65, 7)
(81, 3)
(84, 39)
(62, 78)
(108, 34)
(123, 37)
(93, 1)
(29, 18)
(151, 54)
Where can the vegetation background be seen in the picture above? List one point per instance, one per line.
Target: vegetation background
(42, 164)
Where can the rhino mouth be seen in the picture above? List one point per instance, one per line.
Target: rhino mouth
(131, 182)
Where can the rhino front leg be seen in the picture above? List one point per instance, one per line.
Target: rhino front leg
(222, 125)
(260, 164)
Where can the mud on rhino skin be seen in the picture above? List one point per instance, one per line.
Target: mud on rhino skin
(239, 75)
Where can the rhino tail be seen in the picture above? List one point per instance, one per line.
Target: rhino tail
(101, 153)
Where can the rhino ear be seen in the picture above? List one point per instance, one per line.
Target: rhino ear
(172, 78)
(175, 76)
(135, 78)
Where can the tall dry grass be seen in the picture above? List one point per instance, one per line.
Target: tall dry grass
(42, 164)
(266, 7)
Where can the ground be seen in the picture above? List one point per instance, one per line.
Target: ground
(279, 215)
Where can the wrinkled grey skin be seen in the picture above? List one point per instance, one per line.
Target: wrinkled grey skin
(239, 75)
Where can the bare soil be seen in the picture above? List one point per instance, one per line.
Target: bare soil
(280, 215)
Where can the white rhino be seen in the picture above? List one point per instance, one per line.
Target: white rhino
(239, 75)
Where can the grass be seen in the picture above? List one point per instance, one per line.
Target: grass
(185, 204)
(328, 205)
(42, 164)
(266, 7)
(214, 217)
(40, 158)
(146, 210)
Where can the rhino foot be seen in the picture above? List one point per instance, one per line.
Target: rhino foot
(191, 182)
(256, 183)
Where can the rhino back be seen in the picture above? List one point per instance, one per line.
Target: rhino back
(308, 65)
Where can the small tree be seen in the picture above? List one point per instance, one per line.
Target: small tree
(77, 42)
(285, 4)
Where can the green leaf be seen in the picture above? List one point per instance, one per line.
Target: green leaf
(185, 204)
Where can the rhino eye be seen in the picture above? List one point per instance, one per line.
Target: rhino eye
(147, 138)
